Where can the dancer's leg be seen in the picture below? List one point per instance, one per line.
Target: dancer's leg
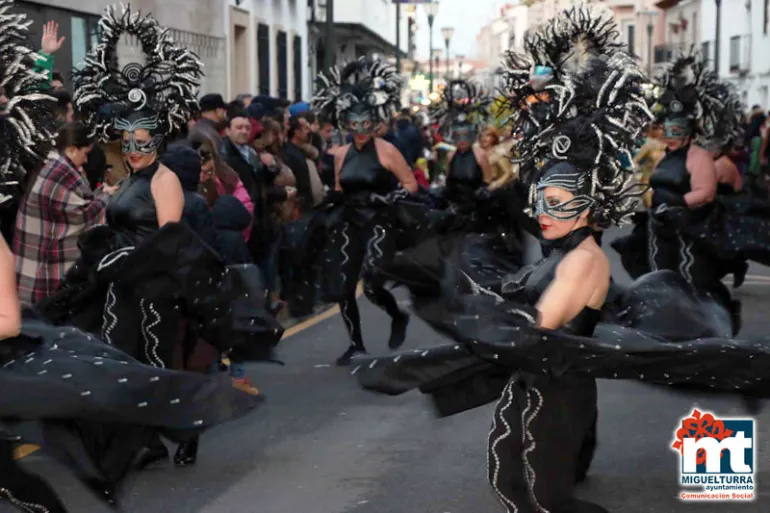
(380, 248)
(540, 428)
(352, 247)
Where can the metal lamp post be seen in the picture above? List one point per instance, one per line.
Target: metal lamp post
(447, 33)
(436, 62)
(431, 9)
(717, 42)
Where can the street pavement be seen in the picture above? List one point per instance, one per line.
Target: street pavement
(322, 445)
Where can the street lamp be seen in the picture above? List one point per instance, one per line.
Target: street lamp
(447, 33)
(718, 36)
(459, 65)
(437, 61)
(431, 9)
(650, 26)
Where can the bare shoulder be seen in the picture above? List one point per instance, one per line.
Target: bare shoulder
(384, 146)
(583, 262)
(164, 177)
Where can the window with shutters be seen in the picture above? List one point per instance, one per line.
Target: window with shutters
(263, 55)
(283, 72)
(297, 49)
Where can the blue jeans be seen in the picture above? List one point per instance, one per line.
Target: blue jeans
(237, 369)
(268, 264)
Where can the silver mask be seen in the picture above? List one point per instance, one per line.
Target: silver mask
(563, 176)
(140, 123)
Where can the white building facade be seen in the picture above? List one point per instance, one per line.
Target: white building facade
(360, 28)
(744, 48)
(506, 31)
(267, 48)
(195, 24)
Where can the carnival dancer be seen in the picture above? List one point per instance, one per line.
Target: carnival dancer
(462, 112)
(546, 318)
(121, 288)
(87, 404)
(358, 98)
(533, 464)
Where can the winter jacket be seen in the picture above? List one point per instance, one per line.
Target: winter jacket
(230, 219)
(242, 195)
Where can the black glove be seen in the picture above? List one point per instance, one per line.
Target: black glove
(334, 197)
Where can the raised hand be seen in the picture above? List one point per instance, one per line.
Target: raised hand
(51, 42)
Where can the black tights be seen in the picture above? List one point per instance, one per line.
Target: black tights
(542, 442)
(363, 249)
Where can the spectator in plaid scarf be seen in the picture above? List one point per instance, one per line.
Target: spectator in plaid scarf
(58, 207)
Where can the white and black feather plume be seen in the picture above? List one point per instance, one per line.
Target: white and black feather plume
(689, 88)
(462, 101)
(27, 124)
(367, 82)
(597, 118)
(167, 84)
(564, 46)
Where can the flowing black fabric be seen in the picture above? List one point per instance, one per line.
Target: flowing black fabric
(134, 296)
(733, 227)
(659, 330)
(94, 408)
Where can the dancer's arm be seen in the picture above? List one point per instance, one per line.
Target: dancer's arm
(703, 177)
(10, 309)
(168, 196)
(339, 159)
(394, 161)
(579, 277)
(727, 173)
(483, 159)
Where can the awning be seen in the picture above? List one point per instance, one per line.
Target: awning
(360, 35)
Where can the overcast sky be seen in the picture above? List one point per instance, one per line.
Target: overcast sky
(466, 16)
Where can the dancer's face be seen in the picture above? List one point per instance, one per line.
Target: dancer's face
(139, 148)
(551, 226)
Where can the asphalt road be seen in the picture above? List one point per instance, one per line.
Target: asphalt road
(322, 445)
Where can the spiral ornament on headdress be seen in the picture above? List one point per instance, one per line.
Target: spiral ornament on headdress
(365, 82)
(27, 124)
(462, 101)
(167, 84)
(597, 116)
(688, 88)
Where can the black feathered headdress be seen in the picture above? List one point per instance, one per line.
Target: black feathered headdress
(27, 124)
(462, 102)
(165, 86)
(689, 89)
(594, 118)
(560, 50)
(364, 83)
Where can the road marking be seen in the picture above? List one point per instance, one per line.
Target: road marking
(25, 450)
(326, 314)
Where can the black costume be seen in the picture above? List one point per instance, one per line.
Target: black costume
(361, 221)
(91, 405)
(543, 434)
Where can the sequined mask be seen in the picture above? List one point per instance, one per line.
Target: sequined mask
(677, 128)
(359, 122)
(463, 132)
(563, 176)
(139, 123)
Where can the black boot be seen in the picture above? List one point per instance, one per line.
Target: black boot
(187, 453)
(398, 330)
(586, 455)
(352, 350)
